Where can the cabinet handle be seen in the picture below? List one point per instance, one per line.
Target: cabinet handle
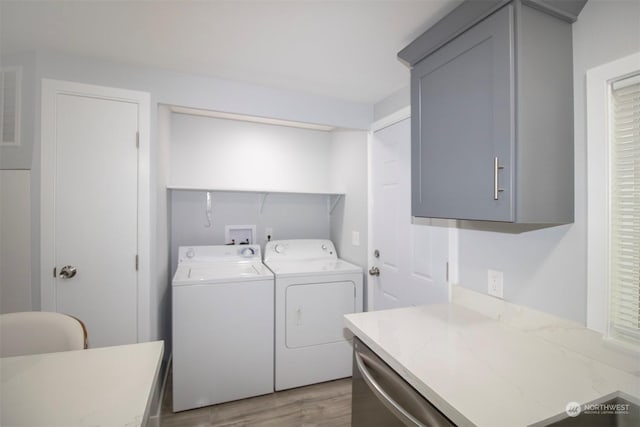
(496, 187)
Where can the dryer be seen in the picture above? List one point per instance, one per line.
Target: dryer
(222, 323)
(314, 289)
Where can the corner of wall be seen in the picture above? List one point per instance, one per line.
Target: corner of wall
(392, 103)
(349, 174)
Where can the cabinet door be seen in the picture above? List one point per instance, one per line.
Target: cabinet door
(462, 119)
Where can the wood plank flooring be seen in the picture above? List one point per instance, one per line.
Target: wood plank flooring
(326, 404)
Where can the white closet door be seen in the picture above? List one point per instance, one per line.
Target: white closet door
(90, 223)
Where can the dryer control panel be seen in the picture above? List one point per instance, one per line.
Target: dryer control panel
(299, 249)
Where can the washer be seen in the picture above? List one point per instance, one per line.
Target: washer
(313, 290)
(222, 325)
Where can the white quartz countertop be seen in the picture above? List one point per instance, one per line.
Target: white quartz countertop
(481, 371)
(107, 386)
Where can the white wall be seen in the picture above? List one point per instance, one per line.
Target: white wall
(15, 241)
(222, 154)
(396, 101)
(348, 174)
(165, 88)
(214, 153)
(546, 269)
(204, 93)
(161, 293)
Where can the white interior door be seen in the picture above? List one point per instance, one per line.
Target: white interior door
(411, 258)
(90, 221)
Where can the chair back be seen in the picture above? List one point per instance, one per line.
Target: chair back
(34, 332)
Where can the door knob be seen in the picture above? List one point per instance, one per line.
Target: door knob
(374, 271)
(68, 271)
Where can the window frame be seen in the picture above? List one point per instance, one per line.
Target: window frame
(599, 128)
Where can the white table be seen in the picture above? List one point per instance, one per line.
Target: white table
(108, 386)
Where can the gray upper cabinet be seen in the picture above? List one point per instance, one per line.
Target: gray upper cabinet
(492, 114)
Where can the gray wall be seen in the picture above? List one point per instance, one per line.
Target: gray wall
(291, 216)
(546, 269)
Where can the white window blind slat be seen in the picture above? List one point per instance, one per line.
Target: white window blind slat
(625, 212)
(624, 83)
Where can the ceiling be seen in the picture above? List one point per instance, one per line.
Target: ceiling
(342, 49)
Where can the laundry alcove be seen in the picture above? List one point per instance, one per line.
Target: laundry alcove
(292, 179)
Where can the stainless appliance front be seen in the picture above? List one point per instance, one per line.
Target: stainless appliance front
(382, 398)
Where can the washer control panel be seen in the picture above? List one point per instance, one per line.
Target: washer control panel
(199, 254)
(247, 252)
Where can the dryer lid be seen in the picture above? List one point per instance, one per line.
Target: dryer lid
(220, 272)
(312, 267)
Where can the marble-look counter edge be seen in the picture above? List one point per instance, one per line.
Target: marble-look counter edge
(468, 381)
(416, 383)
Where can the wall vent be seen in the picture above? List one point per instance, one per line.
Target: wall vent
(10, 84)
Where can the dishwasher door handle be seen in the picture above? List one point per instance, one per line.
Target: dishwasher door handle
(428, 415)
(384, 398)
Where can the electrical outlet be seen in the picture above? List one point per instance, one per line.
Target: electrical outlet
(355, 238)
(495, 283)
(268, 234)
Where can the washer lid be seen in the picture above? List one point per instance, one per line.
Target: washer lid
(189, 274)
(311, 267)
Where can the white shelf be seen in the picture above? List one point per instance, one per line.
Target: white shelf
(334, 197)
(244, 190)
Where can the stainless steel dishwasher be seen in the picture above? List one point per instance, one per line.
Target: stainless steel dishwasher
(382, 398)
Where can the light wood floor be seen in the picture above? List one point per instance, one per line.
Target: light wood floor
(325, 404)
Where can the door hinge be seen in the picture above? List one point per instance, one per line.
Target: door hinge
(447, 272)
(137, 139)
(136, 262)
(54, 272)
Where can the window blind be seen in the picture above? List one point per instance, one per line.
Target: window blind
(625, 211)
